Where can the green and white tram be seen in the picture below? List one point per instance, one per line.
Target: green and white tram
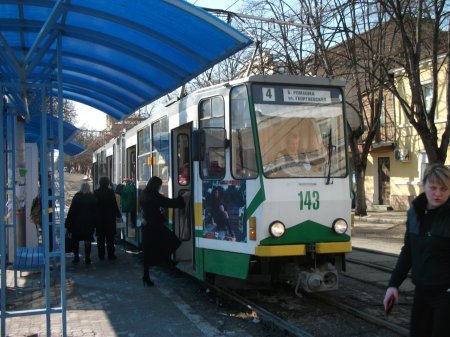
(265, 159)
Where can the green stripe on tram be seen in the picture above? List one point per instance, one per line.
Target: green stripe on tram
(306, 232)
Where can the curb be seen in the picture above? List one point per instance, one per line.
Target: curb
(374, 219)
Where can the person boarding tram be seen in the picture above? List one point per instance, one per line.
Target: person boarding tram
(158, 241)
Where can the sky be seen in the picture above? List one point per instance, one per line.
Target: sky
(218, 4)
(89, 118)
(93, 119)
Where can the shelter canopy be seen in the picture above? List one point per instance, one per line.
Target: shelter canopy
(113, 55)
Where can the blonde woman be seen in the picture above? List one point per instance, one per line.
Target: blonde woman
(426, 252)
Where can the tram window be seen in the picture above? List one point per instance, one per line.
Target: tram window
(131, 160)
(103, 172)
(211, 112)
(212, 120)
(143, 136)
(243, 155)
(213, 164)
(160, 142)
(298, 151)
(184, 175)
(144, 154)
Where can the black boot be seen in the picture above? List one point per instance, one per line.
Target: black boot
(147, 281)
(87, 252)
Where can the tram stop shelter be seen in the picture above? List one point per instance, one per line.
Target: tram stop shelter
(113, 55)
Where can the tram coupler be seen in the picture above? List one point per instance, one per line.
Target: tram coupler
(316, 280)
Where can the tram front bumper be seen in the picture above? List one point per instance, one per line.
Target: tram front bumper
(298, 250)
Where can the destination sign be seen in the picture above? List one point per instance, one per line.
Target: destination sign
(306, 96)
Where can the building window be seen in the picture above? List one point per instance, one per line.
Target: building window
(427, 90)
(423, 162)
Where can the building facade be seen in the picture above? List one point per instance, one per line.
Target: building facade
(398, 159)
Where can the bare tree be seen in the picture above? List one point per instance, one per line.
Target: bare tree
(423, 26)
(69, 111)
(362, 60)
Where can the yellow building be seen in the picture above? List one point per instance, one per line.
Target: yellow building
(397, 159)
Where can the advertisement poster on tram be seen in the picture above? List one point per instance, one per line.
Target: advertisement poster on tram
(224, 210)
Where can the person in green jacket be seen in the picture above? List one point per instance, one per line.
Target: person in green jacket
(128, 200)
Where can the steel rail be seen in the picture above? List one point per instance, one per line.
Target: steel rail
(261, 312)
(369, 318)
(377, 252)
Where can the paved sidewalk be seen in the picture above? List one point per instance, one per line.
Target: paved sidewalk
(382, 231)
(107, 299)
(387, 217)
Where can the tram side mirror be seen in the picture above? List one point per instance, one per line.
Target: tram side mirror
(205, 139)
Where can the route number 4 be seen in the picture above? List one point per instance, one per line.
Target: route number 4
(268, 94)
(309, 199)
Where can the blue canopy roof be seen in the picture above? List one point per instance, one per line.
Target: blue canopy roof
(33, 134)
(33, 130)
(72, 148)
(115, 55)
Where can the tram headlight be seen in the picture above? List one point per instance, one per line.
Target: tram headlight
(277, 229)
(340, 226)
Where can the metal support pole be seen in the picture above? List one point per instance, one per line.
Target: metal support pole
(11, 221)
(43, 165)
(62, 229)
(2, 217)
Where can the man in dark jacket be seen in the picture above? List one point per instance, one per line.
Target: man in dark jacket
(107, 212)
(427, 252)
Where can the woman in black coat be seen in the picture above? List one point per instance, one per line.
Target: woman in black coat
(426, 251)
(158, 241)
(107, 213)
(80, 221)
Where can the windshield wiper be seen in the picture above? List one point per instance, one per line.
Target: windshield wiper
(330, 154)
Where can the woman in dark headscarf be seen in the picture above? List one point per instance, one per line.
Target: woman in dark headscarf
(157, 240)
(81, 220)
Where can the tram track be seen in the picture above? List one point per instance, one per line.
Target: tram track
(355, 309)
(294, 329)
(376, 252)
(262, 313)
(401, 331)
(371, 264)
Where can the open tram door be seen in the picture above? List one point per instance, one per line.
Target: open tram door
(182, 181)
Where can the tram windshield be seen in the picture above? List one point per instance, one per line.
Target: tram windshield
(301, 131)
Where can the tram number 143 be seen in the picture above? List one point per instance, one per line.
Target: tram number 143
(309, 199)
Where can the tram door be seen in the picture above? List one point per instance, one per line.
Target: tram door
(182, 181)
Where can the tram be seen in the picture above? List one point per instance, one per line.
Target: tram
(265, 160)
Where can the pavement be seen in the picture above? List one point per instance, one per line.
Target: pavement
(107, 298)
(383, 217)
(380, 230)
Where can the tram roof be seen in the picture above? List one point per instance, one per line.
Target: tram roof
(115, 55)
